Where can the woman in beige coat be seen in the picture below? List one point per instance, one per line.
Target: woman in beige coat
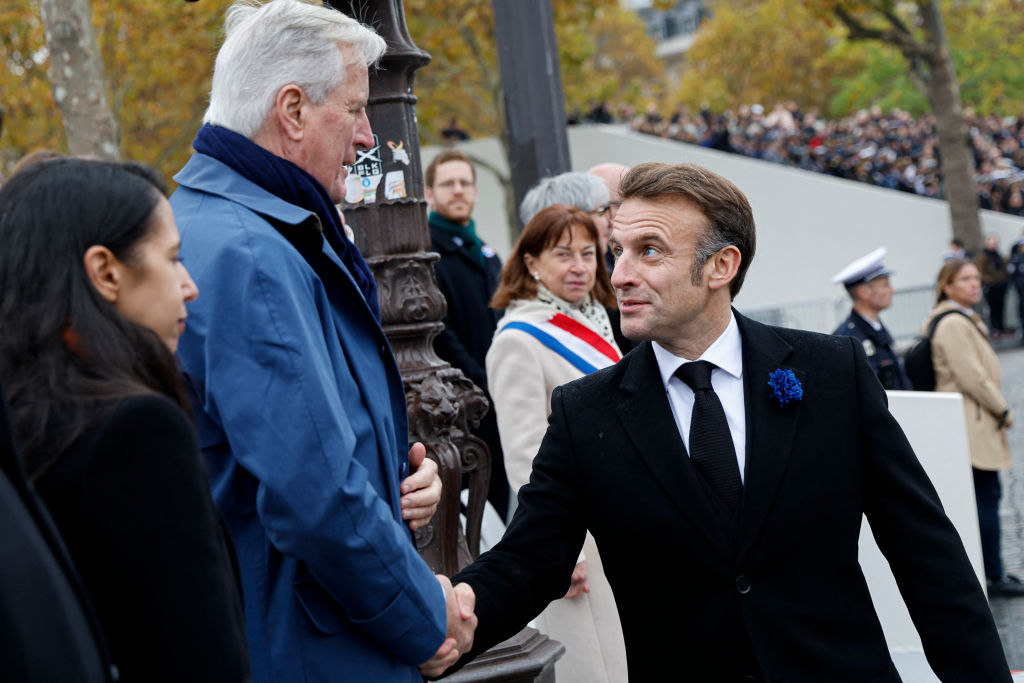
(966, 363)
(554, 288)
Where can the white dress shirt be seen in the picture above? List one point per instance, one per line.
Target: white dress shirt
(727, 380)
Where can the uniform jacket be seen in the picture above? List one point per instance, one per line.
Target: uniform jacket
(965, 362)
(470, 321)
(301, 413)
(777, 589)
(878, 348)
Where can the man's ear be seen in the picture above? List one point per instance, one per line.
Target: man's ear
(105, 271)
(723, 266)
(428, 194)
(291, 107)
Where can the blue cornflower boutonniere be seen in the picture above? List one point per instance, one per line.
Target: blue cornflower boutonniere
(785, 386)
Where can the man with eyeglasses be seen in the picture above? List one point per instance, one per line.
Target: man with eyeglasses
(467, 275)
(610, 174)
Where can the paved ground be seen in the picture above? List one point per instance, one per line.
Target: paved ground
(1009, 612)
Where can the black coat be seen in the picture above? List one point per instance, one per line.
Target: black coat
(48, 631)
(469, 328)
(470, 322)
(132, 501)
(777, 593)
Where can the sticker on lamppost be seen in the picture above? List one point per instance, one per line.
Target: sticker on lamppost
(394, 185)
(398, 152)
(364, 176)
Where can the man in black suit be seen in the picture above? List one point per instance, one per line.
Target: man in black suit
(729, 513)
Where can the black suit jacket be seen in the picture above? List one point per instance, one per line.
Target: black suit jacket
(778, 591)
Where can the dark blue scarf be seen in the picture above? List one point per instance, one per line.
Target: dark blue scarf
(288, 182)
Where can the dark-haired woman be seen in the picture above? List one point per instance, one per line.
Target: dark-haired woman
(966, 363)
(92, 302)
(554, 289)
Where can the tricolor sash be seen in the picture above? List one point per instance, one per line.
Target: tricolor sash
(585, 349)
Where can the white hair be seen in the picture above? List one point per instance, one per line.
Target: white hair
(268, 46)
(582, 190)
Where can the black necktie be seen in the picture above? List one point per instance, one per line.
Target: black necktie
(711, 448)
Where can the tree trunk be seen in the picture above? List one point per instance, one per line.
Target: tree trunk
(76, 74)
(943, 92)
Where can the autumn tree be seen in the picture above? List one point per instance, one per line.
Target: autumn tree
(772, 50)
(604, 54)
(76, 74)
(767, 52)
(31, 118)
(157, 57)
(918, 32)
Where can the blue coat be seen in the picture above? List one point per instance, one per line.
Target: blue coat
(301, 413)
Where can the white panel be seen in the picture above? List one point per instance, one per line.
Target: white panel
(934, 425)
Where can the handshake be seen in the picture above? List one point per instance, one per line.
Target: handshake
(461, 601)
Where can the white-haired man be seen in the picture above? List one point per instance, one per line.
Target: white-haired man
(299, 403)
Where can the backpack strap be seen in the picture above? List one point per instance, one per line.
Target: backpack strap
(935, 322)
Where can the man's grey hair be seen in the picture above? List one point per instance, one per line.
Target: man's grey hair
(268, 46)
(581, 190)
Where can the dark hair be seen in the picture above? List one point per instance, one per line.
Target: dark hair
(34, 157)
(950, 269)
(543, 232)
(444, 156)
(65, 351)
(730, 219)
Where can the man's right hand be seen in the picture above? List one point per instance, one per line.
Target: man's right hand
(460, 602)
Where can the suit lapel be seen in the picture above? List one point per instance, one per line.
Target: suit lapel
(771, 428)
(647, 419)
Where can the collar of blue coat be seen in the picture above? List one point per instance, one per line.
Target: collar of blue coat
(205, 174)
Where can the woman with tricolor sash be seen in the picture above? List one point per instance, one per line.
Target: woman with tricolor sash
(554, 289)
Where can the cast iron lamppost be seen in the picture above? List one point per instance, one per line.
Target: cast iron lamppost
(385, 205)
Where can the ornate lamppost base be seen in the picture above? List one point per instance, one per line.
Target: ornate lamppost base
(527, 657)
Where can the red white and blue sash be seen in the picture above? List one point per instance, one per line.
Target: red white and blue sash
(585, 349)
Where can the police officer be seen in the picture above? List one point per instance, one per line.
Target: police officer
(867, 282)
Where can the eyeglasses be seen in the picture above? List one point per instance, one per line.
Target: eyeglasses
(450, 184)
(606, 209)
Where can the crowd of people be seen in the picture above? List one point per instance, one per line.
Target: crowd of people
(209, 464)
(887, 149)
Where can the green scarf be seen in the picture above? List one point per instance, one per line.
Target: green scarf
(467, 233)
